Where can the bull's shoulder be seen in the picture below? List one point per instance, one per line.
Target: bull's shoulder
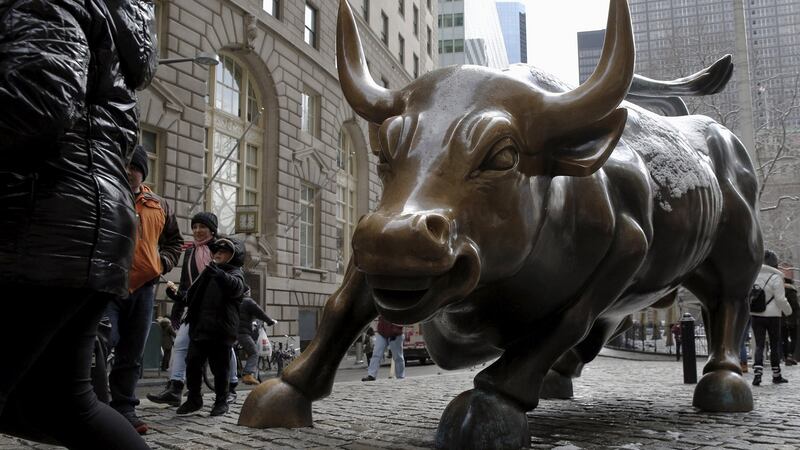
(675, 152)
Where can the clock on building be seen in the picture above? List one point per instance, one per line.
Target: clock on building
(246, 219)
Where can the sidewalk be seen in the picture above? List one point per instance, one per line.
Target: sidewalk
(618, 403)
(152, 377)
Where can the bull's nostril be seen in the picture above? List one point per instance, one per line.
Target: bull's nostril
(438, 226)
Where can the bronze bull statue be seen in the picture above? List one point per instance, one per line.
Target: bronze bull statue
(524, 221)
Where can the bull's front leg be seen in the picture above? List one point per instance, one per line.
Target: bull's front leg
(493, 414)
(285, 402)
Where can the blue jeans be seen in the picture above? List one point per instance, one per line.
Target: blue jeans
(249, 346)
(396, 346)
(130, 324)
(743, 347)
(180, 349)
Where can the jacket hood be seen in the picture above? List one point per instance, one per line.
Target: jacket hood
(135, 38)
(238, 249)
(771, 270)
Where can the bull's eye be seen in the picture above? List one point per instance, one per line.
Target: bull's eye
(503, 157)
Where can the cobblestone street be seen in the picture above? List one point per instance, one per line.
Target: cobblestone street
(618, 404)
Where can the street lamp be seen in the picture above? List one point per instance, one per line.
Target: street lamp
(202, 58)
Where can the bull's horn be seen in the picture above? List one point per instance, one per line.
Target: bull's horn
(370, 101)
(609, 83)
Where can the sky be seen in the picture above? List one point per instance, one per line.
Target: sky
(552, 32)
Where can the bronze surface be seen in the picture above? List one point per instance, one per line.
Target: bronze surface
(524, 221)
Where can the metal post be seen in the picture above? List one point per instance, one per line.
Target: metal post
(687, 345)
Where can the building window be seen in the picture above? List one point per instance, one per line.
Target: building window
(151, 141)
(309, 113)
(429, 5)
(308, 238)
(311, 26)
(430, 42)
(384, 28)
(415, 19)
(401, 52)
(272, 7)
(401, 7)
(365, 10)
(228, 93)
(236, 159)
(416, 65)
(345, 200)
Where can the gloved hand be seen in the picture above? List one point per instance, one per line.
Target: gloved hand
(213, 269)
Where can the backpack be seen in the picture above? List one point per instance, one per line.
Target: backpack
(758, 299)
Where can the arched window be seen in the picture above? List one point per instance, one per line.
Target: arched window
(346, 189)
(233, 103)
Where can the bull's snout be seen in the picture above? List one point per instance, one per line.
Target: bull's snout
(408, 244)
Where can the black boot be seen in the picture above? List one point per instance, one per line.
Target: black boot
(219, 408)
(171, 394)
(757, 371)
(192, 404)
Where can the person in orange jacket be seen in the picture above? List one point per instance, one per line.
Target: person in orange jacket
(156, 252)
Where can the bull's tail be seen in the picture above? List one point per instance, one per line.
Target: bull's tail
(663, 96)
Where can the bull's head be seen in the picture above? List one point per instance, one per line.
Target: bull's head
(462, 151)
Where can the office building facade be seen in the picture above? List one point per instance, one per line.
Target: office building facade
(469, 33)
(265, 139)
(514, 25)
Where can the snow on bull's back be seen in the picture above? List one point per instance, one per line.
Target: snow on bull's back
(677, 160)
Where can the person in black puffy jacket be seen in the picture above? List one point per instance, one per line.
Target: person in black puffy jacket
(213, 317)
(69, 70)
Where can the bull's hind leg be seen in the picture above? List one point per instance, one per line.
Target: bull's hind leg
(557, 383)
(722, 388)
(725, 277)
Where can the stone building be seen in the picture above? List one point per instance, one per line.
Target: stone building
(265, 139)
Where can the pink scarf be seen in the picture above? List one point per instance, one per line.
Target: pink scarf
(202, 256)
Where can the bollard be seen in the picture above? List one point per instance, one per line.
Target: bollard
(687, 345)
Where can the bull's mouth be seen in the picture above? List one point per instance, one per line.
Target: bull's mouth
(407, 300)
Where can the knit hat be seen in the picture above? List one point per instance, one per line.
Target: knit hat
(206, 218)
(139, 160)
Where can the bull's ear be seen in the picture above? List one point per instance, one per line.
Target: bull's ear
(584, 151)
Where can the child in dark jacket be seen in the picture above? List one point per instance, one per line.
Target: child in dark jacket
(213, 319)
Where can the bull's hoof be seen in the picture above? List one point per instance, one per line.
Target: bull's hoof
(479, 419)
(556, 386)
(723, 391)
(276, 404)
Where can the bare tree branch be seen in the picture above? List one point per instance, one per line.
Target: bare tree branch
(777, 205)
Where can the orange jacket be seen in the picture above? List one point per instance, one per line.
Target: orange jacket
(158, 240)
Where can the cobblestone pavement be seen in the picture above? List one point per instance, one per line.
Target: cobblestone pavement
(622, 404)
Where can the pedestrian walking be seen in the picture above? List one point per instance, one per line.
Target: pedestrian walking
(790, 322)
(195, 259)
(388, 335)
(213, 318)
(768, 321)
(675, 329)
(68, 75)
(156, 252)
(369, 343)
(249, 311)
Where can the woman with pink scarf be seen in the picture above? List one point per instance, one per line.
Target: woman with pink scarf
(196, 257)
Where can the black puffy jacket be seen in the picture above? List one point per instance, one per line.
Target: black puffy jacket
(68, 74)
(214, 298)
